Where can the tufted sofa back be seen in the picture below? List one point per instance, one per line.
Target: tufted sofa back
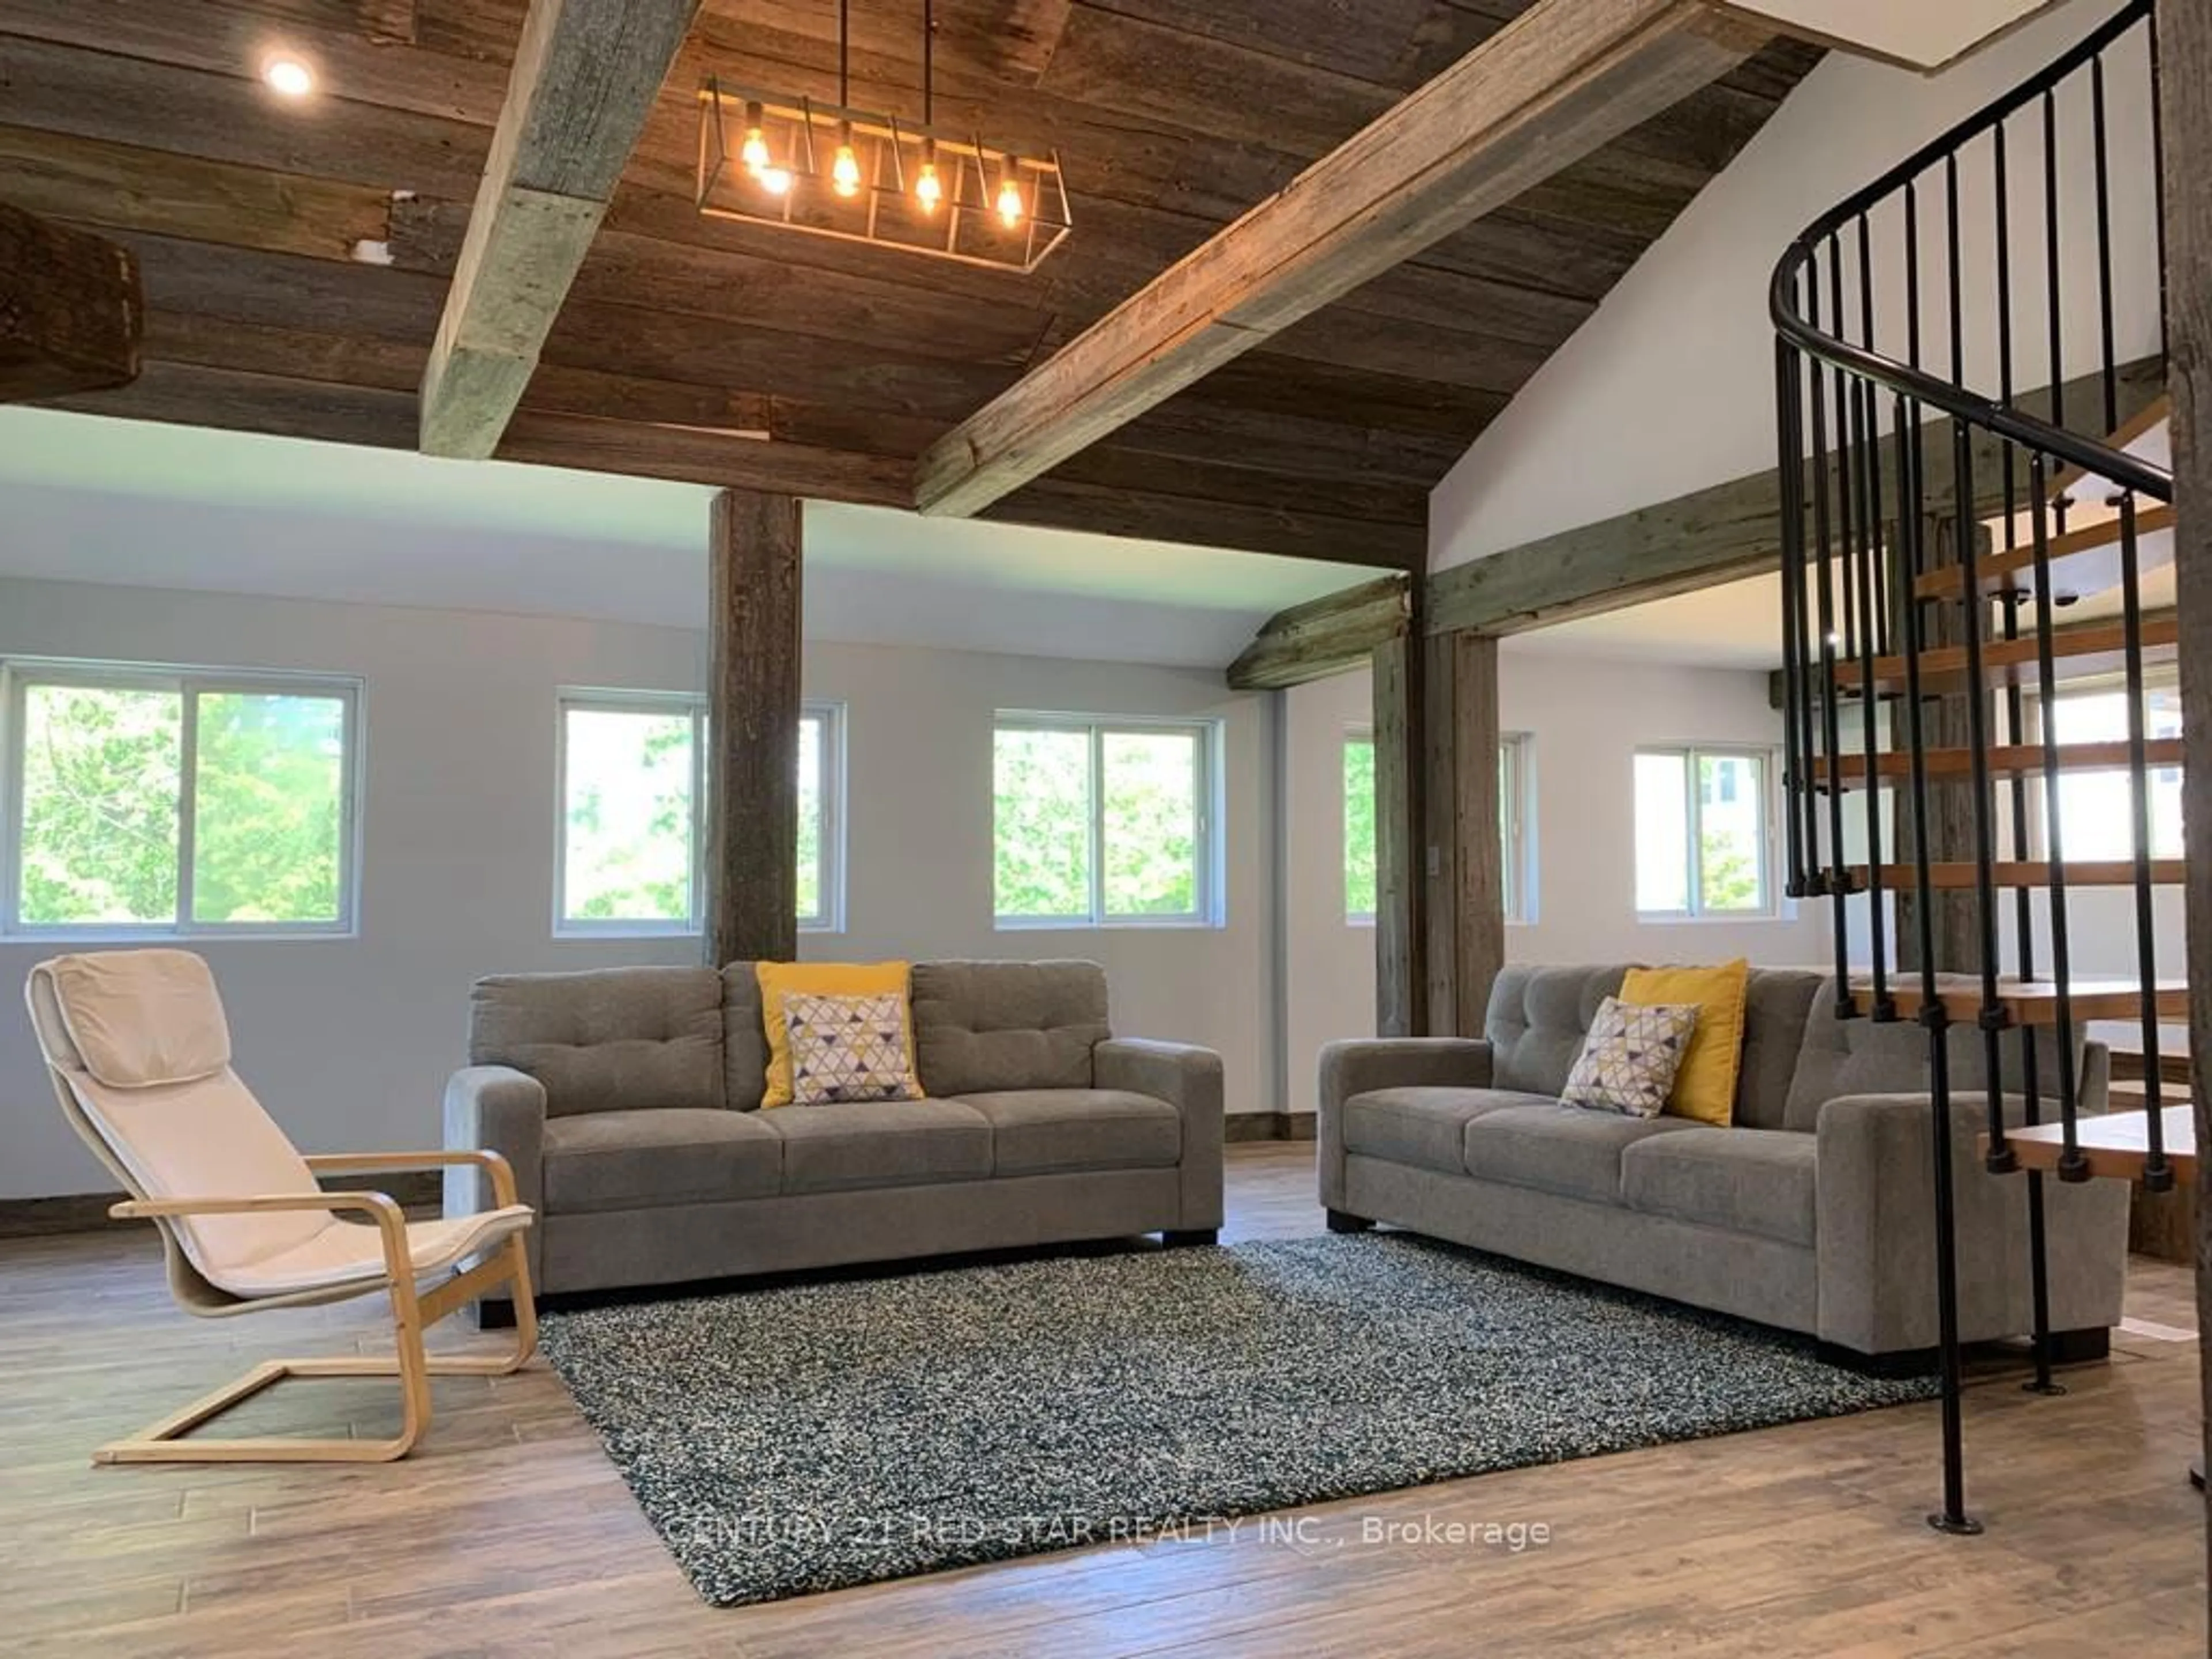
(607, 1039)
(984, 1026)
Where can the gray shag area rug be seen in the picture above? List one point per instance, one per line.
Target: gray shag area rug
(812, 1436)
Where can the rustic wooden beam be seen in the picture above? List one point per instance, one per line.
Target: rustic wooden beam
(1401, 836)
(585, 77)
(1323, 636)
(754, 565)
(1721, 534)
(2185, 97)
(72, 314)
(1561, 81)
(1466, 863)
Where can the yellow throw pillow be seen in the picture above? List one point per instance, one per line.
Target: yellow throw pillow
(826, 978)
(1705, 1087)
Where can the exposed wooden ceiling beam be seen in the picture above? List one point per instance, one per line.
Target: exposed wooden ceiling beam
(1563, 80)
(585, 77)
(1721, 534)
(71, 313)
(1323, 636)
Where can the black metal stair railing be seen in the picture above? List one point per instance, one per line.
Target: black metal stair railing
(1890, 464)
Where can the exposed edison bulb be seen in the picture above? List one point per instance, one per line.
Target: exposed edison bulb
(928, 188)
(1010, 197)
(287, 76)
(845, 171)
(753, 153)
(775, 180)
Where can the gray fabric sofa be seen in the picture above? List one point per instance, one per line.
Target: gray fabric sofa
(1814, 1211)
(626, 1100)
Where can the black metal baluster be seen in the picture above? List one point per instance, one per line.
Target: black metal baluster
(1838, 877)
(2053, 262)
(1935, 1019)
(1846, 492)
(1871, 395)
(1788, 401)
(2108, 361)
(2072, 1165)
(2158, 1172)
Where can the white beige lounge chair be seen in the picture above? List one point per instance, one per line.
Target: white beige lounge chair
(140, 1053)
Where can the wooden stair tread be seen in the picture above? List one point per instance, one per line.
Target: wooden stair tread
(2096, 648)
(1959, 876)
(2082, 562)
(2117, 1144)
(1951, 765)
(2030, 1002)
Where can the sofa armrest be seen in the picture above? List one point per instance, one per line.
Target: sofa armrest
(1356, 1065)
(496, 1109)
(1189, 1079)
(1875, 1230)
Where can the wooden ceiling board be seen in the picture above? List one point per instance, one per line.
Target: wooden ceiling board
(296, 256)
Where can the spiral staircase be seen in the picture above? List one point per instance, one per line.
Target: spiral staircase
(1959, 555)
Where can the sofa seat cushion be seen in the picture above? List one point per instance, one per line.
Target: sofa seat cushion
(1559, 1149)
(880, 1143)
(1040, 1131)
(1425, 1128)
(646, 1156)
(1747, 1181)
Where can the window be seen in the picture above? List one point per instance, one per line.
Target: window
(176, 801)
(2096, 809)
(1704, 832)
(1518, 847)
(1101, 822)
(633, 814)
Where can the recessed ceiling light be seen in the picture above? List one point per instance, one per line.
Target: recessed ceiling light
(288, 77)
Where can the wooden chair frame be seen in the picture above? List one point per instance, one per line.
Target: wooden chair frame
(413, 1311)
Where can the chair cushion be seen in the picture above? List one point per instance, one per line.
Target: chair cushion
(880, 1143)
(647, 1156)
(990, 1027)
(1038, 1131)
(1559, 1149)
(1748, 1180)
(340, 1254)
(141, 1017)
(605, 1039)
(1423, 1126)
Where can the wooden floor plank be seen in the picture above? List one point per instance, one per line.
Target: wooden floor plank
(510, 1534)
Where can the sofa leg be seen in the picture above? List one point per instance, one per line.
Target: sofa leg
(1191, 1239)
(496, 1314)
(2081, 1347)
(1342, 1221)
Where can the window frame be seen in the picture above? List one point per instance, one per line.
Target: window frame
(1205, 843)
(18, 674)
(830, 853)
(1516, 835)
(1769, 909)
(2157, 677)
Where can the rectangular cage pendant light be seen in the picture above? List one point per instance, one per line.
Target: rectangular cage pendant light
(832, 171)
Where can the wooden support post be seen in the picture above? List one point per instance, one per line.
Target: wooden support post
(752, 728)
(1950, 805)
(1402, 914)
(1466, 887)
(2185, 96)
(71, 313)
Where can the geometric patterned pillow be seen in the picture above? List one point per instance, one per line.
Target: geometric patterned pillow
(1629, 1059)
(846, 1048)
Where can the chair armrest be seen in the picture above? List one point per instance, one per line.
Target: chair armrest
(498, 1110)
(493, 1164)
(1189, 1079)
(1357, 1065)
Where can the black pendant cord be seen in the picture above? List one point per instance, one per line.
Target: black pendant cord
(928, 62)
(845, 53)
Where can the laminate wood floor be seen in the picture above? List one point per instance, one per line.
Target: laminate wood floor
(510, 1534)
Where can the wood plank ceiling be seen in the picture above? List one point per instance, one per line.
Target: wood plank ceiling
(296, 256)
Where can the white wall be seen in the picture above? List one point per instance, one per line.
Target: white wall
(1669, 387)
(1585, 718)
(349, 1041)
